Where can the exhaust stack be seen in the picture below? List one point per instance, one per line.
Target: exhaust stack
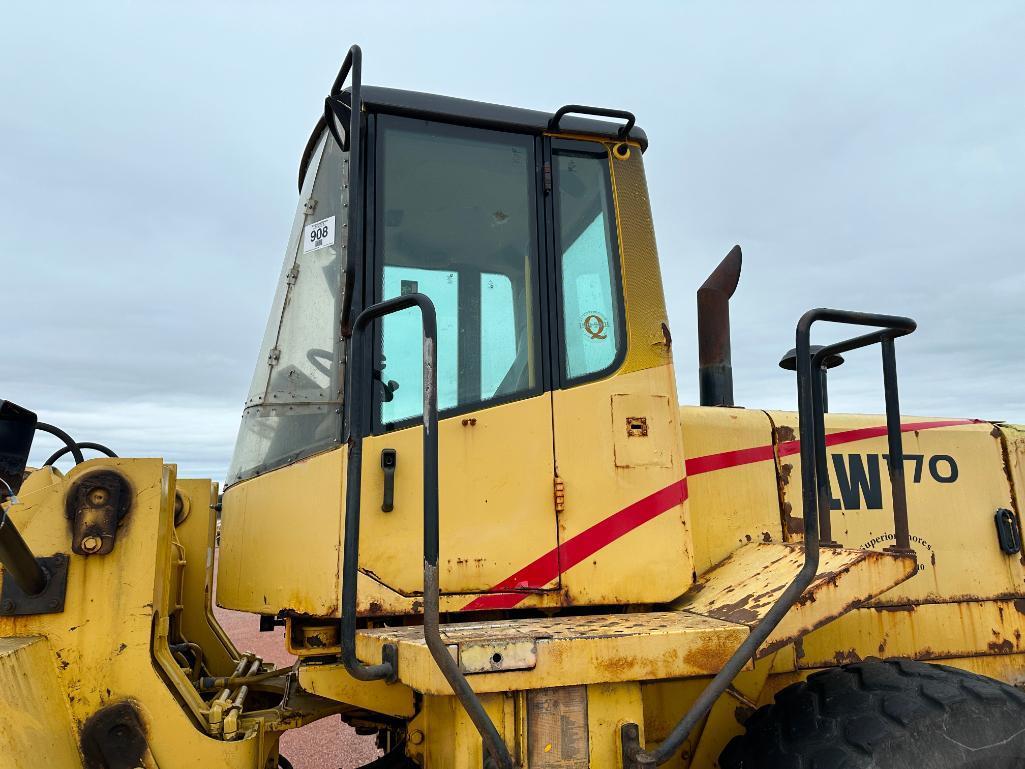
(715, 371)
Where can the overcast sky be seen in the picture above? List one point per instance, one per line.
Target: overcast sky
(865, 156)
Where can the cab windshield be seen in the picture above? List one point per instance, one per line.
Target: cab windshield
(295, 400)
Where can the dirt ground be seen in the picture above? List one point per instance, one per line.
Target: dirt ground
(326, 744)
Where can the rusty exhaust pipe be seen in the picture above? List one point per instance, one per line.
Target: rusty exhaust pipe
(715, 371)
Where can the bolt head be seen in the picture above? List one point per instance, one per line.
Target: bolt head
(99, 496)
(8, 605)
(416, 737)
(92, 543)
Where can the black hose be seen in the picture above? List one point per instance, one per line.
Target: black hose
(68, 440)
(82, 445)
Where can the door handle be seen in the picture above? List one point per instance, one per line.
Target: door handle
(389, 458)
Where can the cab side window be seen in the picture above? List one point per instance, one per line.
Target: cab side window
(593, 341)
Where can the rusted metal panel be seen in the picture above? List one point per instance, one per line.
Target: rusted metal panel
(570, 650)
(743, 587)
(925, 632)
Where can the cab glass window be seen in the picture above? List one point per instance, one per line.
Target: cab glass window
(593, 339)
(295, 399)
(455, 219)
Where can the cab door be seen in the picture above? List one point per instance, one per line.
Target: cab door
(618, 445)
(455, 215)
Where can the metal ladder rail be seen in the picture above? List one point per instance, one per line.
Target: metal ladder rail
(816, 498)
(359, 425)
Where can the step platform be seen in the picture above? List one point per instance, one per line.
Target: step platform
(694, 638)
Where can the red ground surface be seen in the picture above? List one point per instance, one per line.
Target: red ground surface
(326, 744)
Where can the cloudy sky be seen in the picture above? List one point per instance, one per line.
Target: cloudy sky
(866, 156)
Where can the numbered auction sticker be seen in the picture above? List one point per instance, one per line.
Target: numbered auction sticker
(319, 234)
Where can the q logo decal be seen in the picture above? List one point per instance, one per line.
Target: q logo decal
(594, 325)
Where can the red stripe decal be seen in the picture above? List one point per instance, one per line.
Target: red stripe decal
(535, 575)
(575, 549)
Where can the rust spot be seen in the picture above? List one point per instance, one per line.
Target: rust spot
(905, 607)
(1004, 647)
(846, 657)
(793, 525)
(747, 537)
(736, 612)
(932, 558)
(784, 473)
(995, 432)
(692, 593)
(375, 607)
(882, 647)
(766, 537)
(785, 433)
(799, 648)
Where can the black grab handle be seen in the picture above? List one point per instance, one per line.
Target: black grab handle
(581, 109)
(811, 413)
(816, 505)
(359, 425)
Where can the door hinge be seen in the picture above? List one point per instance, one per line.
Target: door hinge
(547, 176)
(560, 495)
(293, 275)
(274, 356)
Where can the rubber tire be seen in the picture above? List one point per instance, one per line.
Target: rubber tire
(893, 714)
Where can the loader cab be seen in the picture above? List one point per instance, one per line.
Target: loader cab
(556, 394)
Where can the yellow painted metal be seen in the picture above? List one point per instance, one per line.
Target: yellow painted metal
(35, 722)
(652, 561)
(646, 318)
(495, 495)
(745, 586)
(117, 611)
(732, 506)
(291, 518)
(951, 523)
(331, 680)
(609, 707)
(196, 535)
(665, 702)
(444, 736)
(569, 650)
(925, 632)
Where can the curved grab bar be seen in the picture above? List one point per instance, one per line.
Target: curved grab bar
(581, 109)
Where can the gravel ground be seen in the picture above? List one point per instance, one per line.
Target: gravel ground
(326, 744)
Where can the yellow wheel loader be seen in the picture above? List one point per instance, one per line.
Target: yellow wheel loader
(466, 497)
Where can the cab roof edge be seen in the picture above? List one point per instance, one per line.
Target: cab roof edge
(484, 114)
